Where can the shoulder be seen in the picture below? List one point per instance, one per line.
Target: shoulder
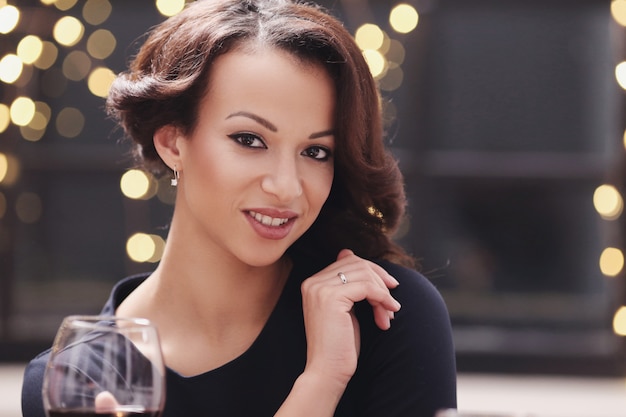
(415, 291)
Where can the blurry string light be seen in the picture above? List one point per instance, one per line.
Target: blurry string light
(64, 5)
(68, 31)
(608, 202)
(170, 7)
(611, 262)
(403, 18)
(618, 11)
(9, 169)
(70, 122)
(620, 74)
(9, 18)
(22, 111)
(96, 12)
(10, 68)
(137, 184)
(143, 247)
(385, 55)
(619, 321)
(29, 49)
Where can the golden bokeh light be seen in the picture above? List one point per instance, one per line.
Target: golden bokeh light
(101, 44)
(170, 7)
(29, 49)
(30, 134)
(100, 81)
(618, 11)
(376, 62)
(143, 247)
(369, 36)
(96, 12)
(76, 65)
(10, 68)
(9, 18)
(619, 321)
(22, 111)
(5, 117)
(403, 18)
(70, 122)
(64, 5)
(393, 79)
(608, 202)
(68, 31)
(28, 207)
(396, 52)
(9, 169)
(48, 57)
(620, 74)
(4, 166)
(136, 184)
(611, 262)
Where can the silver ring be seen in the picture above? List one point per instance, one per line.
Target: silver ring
(342, 277)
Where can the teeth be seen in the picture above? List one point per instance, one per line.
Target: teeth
(267, 220)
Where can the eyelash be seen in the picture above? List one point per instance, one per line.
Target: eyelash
(247, 140)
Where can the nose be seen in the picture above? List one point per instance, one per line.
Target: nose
(283, 180)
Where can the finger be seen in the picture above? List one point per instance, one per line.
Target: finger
(105, 401)
(344, 253)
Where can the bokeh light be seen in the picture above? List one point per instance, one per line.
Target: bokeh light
(48, 57)
(68, 31)
(5, 117)
(608, 202)
(70, 122)
(143, 247)
(611, 262)
(403, 18)
(96, 12)
(10, 68)
(29, 49)
(618, 11)
(170, 7)
(101, 44)
(369, 36)
(376, 62)
(136, 184)
(100, 81)
(22, 111)
(9, 18)
(76, 65)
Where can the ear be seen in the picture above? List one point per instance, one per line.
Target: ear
(166, 143)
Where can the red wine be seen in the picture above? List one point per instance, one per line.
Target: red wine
(121, 412)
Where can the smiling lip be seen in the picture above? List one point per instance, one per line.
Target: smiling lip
(270, 223)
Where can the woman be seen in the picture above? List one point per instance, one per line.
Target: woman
(279, 283)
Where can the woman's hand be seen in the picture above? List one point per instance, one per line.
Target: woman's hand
(332, 331)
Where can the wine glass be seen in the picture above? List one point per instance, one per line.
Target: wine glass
(105, 366)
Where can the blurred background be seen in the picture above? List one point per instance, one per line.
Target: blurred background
(506, 117)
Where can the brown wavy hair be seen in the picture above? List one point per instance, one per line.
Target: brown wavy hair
(168, 77)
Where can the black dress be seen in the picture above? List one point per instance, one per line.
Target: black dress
(408, 370)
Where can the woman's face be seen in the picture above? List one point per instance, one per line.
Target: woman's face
(258, 167)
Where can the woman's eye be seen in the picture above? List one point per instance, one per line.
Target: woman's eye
(317, 152)
(248, 140)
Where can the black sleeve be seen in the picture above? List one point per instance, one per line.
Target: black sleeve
(410, 369)
(32, 402)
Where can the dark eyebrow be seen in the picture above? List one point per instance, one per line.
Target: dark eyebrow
(267, 124)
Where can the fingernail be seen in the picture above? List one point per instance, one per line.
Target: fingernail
(392, 315)
(395, 281)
